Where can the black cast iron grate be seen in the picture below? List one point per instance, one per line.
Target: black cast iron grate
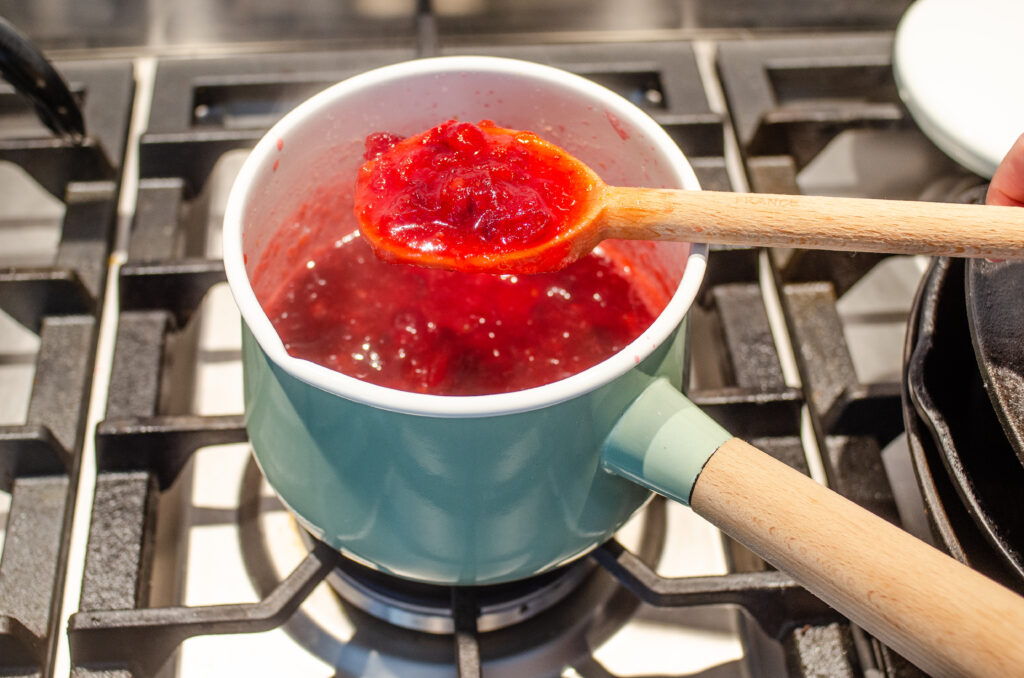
(788, 101)
(59, 302)
(204, 108)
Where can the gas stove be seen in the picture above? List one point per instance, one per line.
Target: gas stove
(141, 539)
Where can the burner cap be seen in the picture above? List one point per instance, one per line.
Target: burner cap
(428, 607)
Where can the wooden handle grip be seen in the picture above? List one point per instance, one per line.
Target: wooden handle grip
(938, 613)
(813, 222)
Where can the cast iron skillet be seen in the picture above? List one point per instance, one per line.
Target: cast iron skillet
(995, 310)
(946, 389)
(952, 526)
(25, 67)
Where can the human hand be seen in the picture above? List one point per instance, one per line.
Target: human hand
(1007, 187)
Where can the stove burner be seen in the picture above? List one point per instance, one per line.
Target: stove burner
(427, 607)
(408, 625)
(414, 620)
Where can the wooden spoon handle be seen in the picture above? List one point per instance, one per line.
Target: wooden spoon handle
(813, 222)
(938, 613)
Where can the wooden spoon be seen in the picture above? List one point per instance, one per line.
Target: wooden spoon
(810, 222)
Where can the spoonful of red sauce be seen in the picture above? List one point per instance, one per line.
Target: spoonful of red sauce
(473, 197)
(482, 198)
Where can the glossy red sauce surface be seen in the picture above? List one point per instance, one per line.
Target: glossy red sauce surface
(463, 190)
(432, 331)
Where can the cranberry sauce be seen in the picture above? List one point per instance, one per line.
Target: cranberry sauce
(432, 331)
(461, 190)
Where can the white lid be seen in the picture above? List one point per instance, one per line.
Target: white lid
(959, 67)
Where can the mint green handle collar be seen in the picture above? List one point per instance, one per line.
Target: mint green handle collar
(662, 442)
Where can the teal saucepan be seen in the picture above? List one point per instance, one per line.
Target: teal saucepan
(487, 489)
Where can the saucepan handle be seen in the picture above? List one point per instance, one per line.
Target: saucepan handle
(938, 613)
(25, 67)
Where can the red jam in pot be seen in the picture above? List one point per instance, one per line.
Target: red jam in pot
(461, 190)
(433, 331)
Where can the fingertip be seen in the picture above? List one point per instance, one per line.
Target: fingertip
(1007, 187)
